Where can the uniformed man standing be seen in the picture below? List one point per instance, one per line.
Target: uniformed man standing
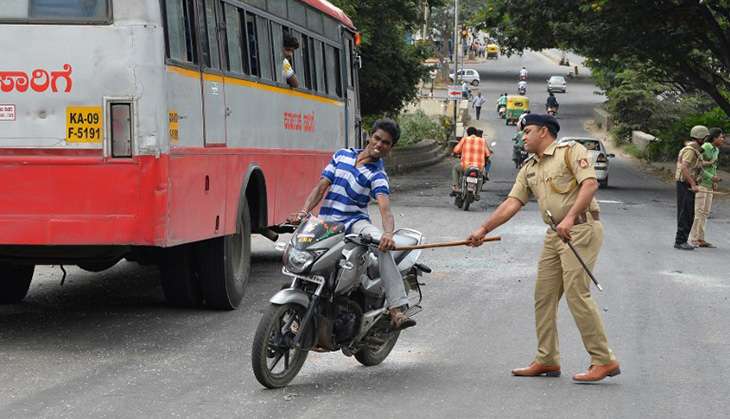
(689, 170)
(563, 181)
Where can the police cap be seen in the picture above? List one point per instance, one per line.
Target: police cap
(543, 121)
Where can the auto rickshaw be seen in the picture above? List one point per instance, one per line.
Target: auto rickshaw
(516, 106)
(492, 51)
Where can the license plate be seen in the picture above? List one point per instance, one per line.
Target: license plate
(83, 124)
(472, 180)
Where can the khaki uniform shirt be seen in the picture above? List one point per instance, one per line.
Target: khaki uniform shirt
(690, 155)
(552, 182)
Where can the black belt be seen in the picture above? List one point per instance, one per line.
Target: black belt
(583, 218)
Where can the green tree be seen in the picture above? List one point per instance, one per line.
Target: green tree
(391, 68)
(685, 42)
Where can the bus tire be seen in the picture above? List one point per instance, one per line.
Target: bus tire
(179, 283)
(224, 264)
(14, 282)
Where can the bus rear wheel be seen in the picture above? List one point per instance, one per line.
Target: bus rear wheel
(14, 282)
(179, 284)
(224, 265)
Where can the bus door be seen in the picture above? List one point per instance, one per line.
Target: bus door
(214, 99)
(352, 106)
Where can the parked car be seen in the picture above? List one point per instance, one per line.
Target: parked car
(469, 75)
(557, 84)
(598, 155)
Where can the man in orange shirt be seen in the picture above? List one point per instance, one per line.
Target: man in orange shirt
(474, 152)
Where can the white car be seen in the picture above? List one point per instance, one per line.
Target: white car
(468, 75)
(597, 154)
(557, 84)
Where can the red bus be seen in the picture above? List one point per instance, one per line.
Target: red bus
(164, 132)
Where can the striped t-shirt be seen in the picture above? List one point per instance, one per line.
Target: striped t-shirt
(352, 187)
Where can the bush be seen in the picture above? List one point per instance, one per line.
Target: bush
(672, 138)
(418, 126)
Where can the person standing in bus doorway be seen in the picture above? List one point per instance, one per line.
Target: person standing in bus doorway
(351, 179)
(290, 44)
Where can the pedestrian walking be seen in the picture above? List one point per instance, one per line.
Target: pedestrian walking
(708, 184)
(563, 180)
(689, 169)
(478, 102)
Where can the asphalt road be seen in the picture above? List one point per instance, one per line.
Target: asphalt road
(106, 345)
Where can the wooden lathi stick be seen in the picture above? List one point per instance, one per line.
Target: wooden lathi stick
(447, 244)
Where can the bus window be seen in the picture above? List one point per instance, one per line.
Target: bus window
(277, 41)
(180, 36)
(319, 67)
(298, 64)
(233, 35)
(252, 41)
(210, 49)
(307, 62)
(56, 11)
(332, 61)
(262, 30)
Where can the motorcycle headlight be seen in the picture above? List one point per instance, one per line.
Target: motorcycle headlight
(298, 261)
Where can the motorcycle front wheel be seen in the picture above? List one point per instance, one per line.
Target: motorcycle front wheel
(274, 358)
(377, 348)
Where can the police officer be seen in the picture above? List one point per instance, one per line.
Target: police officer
(563, 181)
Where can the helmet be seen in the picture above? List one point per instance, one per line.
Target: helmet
(699, 132)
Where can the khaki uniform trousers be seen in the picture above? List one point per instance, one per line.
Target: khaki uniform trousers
(558, 273)
(703, 204)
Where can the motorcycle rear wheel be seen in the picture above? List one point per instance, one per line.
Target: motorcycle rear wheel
(467, 200)
(374, 354)
(272, 344)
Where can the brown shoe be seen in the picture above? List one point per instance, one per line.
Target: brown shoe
(598, 372)
(537, 369)
(398, 320)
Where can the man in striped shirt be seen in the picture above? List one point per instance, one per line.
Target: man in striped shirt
(350, 180)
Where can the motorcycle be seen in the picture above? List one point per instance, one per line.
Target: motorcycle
(519, 155)
(552, 110)
(522, 90)
(336, 300)
(502, 111)
(471, 183)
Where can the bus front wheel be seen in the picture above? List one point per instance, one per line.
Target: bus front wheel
(224, 264)
(14, 282)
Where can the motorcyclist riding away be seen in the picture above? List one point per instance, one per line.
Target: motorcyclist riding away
(474, 152)
(522, 87)
(502, 101)
(523, 73)
(552, 101)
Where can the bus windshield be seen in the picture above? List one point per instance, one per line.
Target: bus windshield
(55, 11)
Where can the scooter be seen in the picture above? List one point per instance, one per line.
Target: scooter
(502, 111)
(522, 90)
(552, 110)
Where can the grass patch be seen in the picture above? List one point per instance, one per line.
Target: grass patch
(633, 150)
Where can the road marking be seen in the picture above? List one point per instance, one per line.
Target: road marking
(608, 201)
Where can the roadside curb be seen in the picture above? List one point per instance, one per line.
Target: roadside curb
(422, 154)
